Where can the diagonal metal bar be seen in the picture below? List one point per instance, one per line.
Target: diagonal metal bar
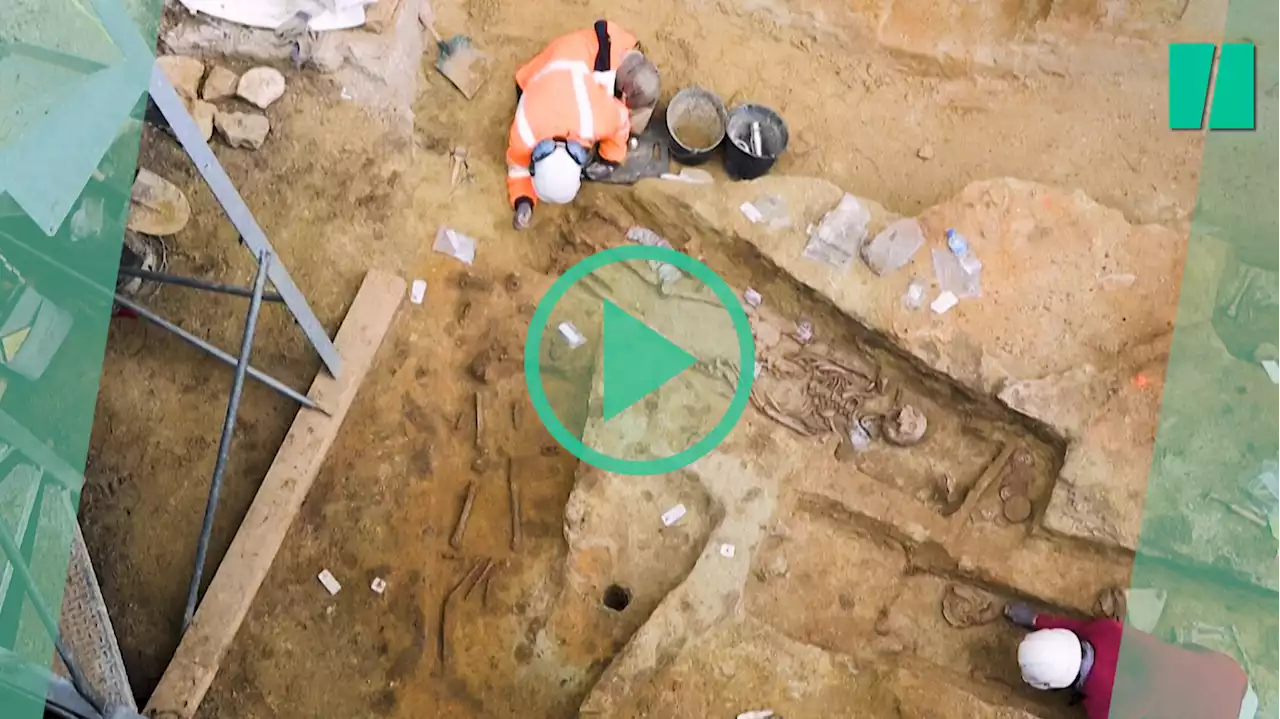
(228, 433)
(197, 284)
(123, 31)
(186, 336)
(23, 573)
(73, 63)
(192, 140)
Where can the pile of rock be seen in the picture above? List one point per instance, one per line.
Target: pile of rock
(202, 94)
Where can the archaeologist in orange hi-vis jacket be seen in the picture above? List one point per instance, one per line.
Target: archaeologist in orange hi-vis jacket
(565, 109)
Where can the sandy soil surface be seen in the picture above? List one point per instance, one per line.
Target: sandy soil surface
(895, 101)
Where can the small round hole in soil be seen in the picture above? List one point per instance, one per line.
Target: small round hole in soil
(617, 598)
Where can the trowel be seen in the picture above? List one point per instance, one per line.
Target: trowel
(461, 61)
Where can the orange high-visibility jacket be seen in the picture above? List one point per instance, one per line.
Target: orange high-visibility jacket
(562, 101)
(600, 47)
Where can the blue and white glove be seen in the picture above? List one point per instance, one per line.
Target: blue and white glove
(1020, 614)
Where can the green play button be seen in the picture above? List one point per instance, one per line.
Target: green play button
(636, 360)
(633, 375)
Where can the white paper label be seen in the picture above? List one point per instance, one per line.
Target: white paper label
(330, 582)
(945, 301)
(571, 335)
(673, 515)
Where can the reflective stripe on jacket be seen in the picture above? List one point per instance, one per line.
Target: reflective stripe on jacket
(561, 101)
(600, 47)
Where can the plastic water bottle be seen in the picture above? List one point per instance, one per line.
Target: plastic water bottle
(970, 265)
(959, 246)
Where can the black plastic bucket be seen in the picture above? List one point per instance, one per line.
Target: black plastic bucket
(741, 161)
(696, 121)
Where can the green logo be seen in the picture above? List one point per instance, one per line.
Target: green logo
(637, 360)
(627, 380)
(1234, 92)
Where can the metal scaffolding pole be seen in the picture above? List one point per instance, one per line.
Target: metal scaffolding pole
(228, 433)
(197, 284)
(262, 377)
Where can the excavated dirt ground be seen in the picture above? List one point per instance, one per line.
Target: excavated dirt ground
(832, 605)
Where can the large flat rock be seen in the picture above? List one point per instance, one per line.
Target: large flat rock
(1073, 327)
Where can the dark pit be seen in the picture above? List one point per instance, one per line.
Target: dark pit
(616, 598)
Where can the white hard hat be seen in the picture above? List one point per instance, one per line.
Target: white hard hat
(557, 177)
(1050, 658)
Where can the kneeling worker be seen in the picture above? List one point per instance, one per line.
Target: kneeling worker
(1156, 679)
(563, 113)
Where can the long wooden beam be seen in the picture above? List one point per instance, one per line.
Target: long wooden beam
(248, 560)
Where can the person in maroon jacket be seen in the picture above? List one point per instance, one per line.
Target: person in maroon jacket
(1156, 680)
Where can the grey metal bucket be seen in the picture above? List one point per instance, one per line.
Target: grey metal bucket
(696, 121)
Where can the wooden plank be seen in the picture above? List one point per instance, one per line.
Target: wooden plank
(242, 572)
(380, 16)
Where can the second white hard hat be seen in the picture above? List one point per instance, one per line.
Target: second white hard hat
(1050, 658)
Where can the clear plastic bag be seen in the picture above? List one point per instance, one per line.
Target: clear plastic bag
(839, 236)
(952, 277)
(893, 247)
